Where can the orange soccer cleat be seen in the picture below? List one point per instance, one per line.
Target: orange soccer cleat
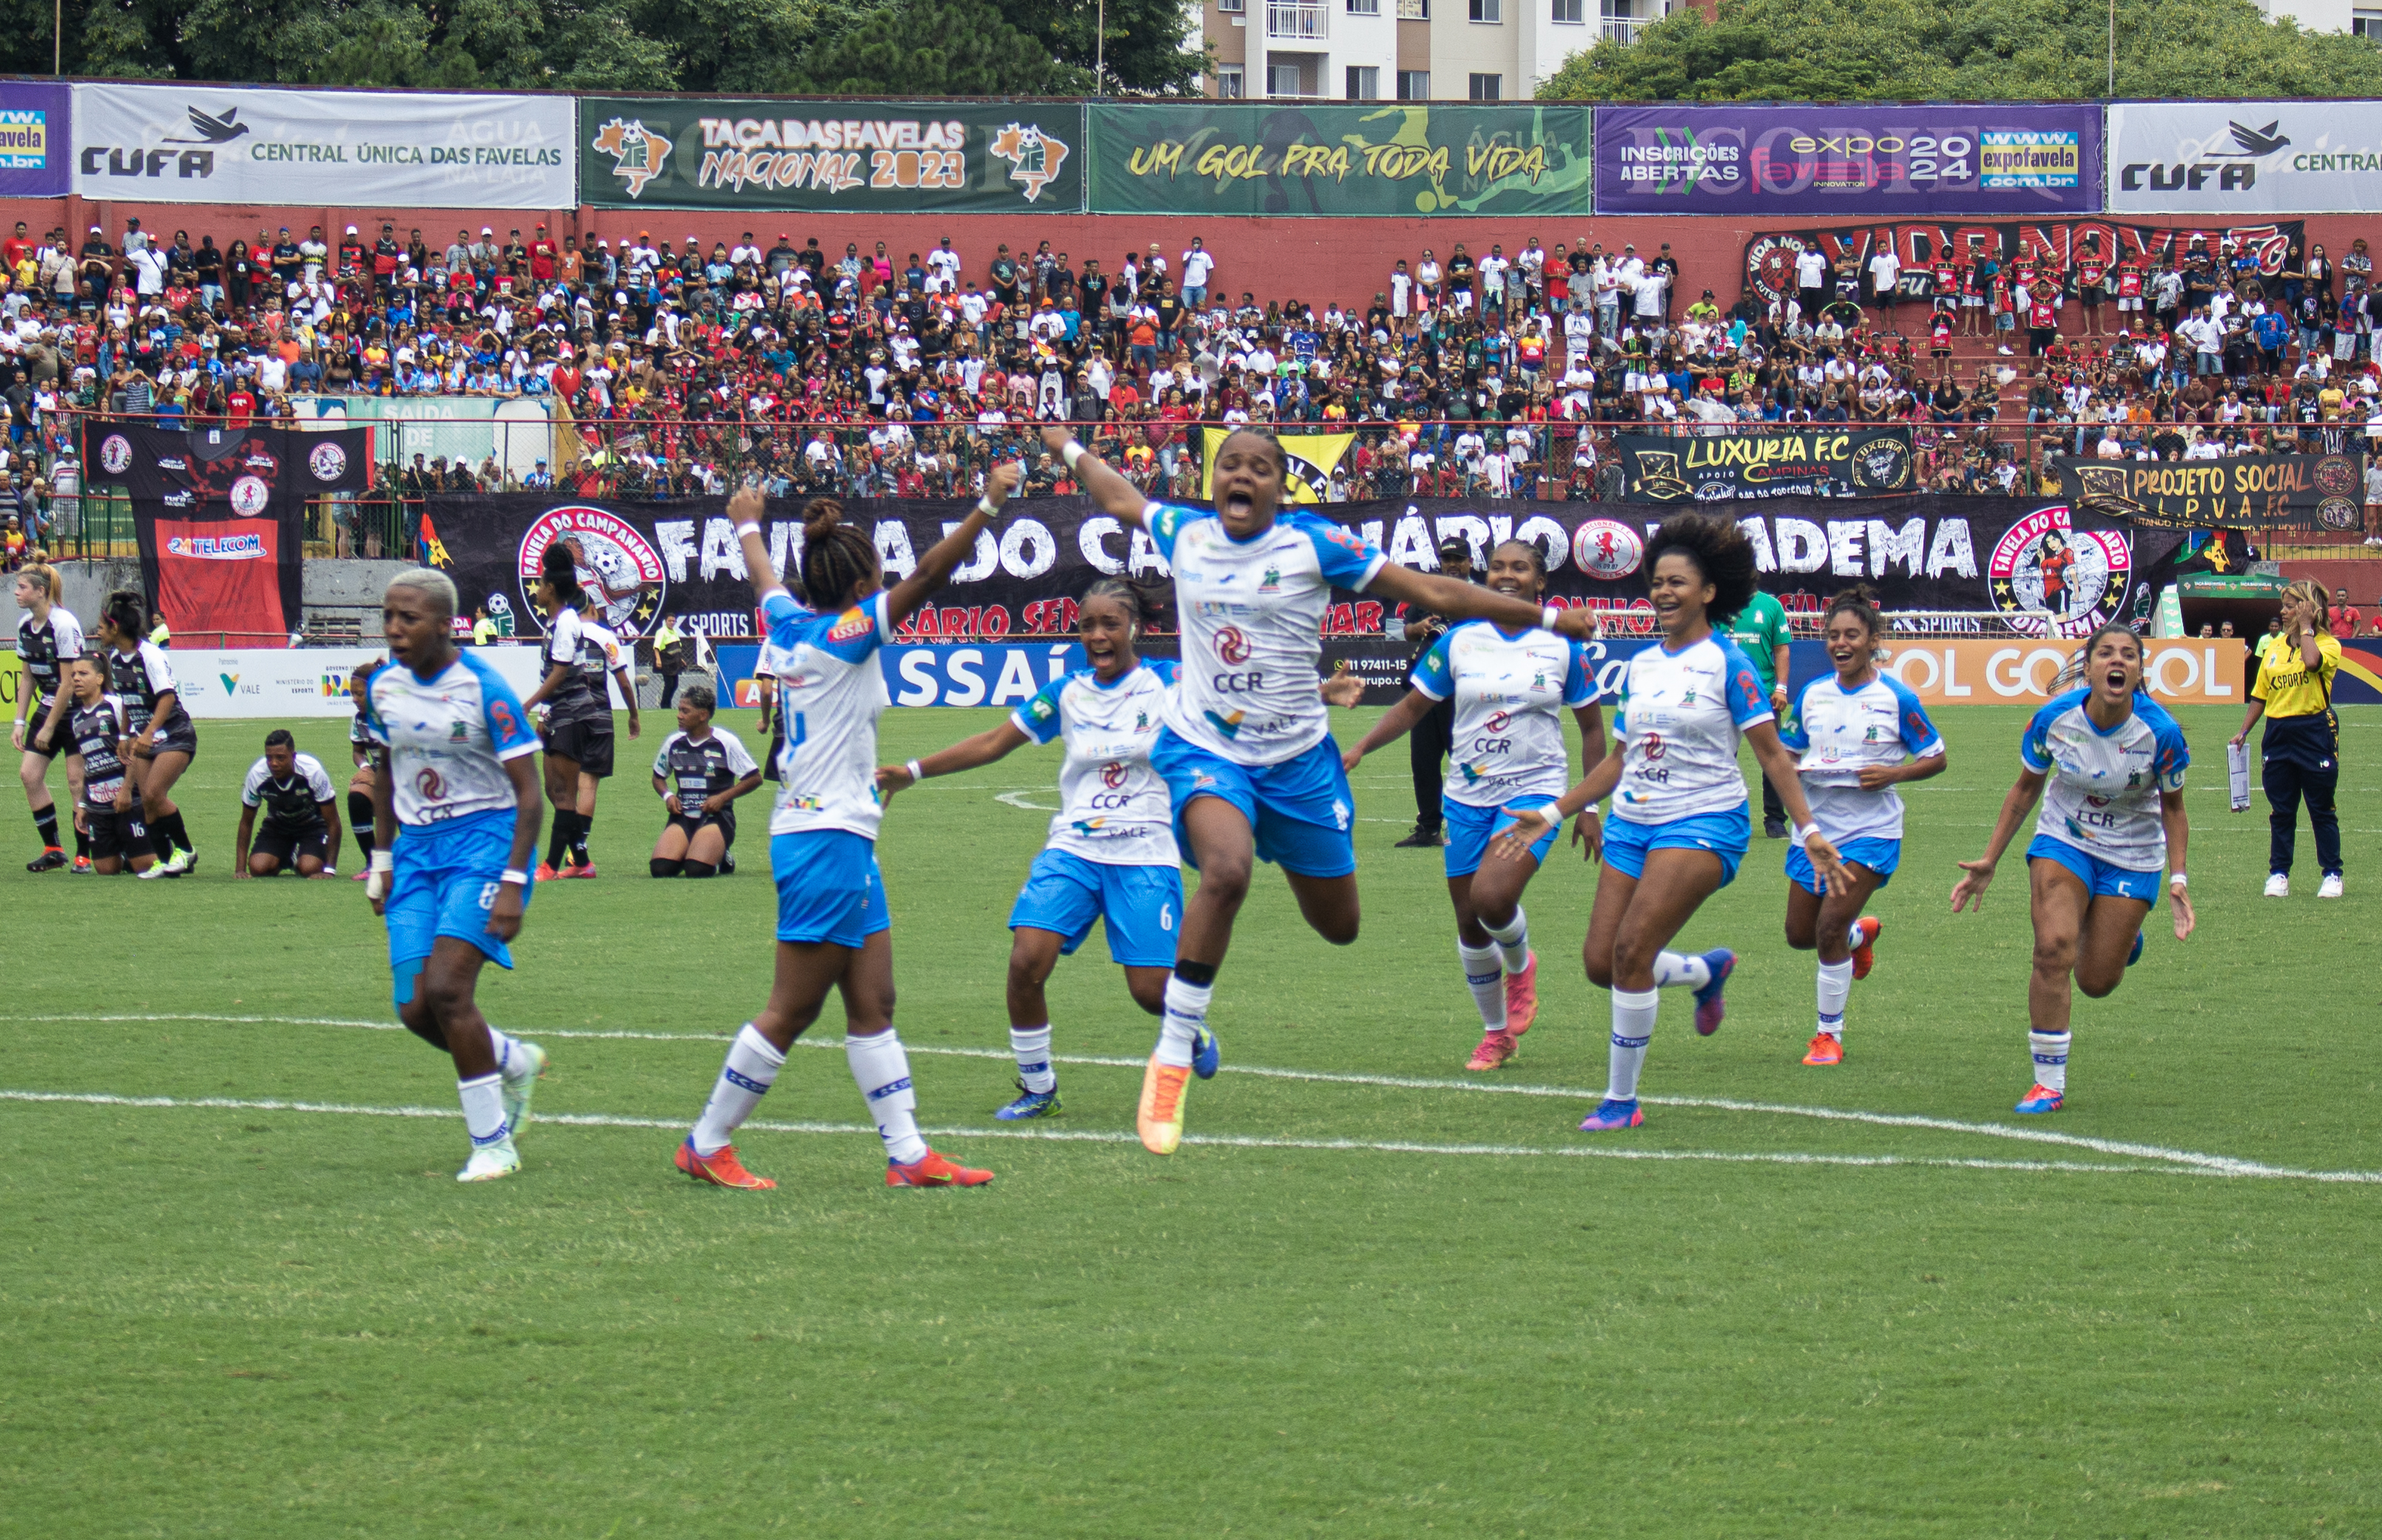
(1826, 1048)
(721, 1169)
(544, 873)
(1865, 954)
(1159, 1117)
(1495, 1048)
(933, 1170)
(1521, 999)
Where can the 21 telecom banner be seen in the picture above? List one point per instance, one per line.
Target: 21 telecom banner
(782, 155)
(1849, 160)
(1385, 159)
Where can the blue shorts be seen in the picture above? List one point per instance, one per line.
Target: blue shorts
(2100, 879)
(827, 888)
(1300, 810)
(1880, 856)
(1726, 835)
(1469, 830)
(445, 882)
(1142, 906)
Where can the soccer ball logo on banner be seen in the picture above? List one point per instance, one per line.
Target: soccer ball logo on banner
(616, 563)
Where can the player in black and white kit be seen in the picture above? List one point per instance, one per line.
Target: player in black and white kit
(603, 660)
(301, 814)
(48, 637)
(359, 751)
(569, 725)
(98, 726)
(162, 739)
(700, 773)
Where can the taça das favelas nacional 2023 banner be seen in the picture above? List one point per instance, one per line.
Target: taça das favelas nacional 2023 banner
(1380, 159)
(1849, 160)
(780, 155)
(1806, 462)
(219, 145)
(2061, 246)
(2058, 575)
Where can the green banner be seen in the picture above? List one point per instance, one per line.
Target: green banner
(1382, 159)
(792, 156)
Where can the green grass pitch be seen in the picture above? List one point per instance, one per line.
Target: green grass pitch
(1466, 1320)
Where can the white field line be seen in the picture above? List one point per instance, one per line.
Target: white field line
(2221, 1164)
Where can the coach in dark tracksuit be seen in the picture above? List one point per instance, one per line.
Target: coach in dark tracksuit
(2301, 747)
(1431, 740)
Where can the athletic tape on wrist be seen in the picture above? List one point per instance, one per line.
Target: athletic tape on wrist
(917, 772)
(515, 876)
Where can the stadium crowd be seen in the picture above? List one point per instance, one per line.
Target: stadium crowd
(1496, 374)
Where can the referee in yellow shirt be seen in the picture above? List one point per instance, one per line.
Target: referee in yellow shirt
(2301, 747)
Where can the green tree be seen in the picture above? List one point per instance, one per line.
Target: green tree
(1992, 50)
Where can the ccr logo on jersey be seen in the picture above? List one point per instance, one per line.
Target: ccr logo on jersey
(2060, 580)
(617, 564)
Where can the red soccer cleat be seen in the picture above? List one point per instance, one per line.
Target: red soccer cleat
(1495, 1048)
(721, 1169)
(544, 873)
(1865, 955)
(933, 1170)
(1522, 997)
(588, 870)
(1826, 1049)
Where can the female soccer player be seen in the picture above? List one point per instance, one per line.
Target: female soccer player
(601, 660)
(359, 751)
(1111, 856)
(48, 637)
(1681, 821)
(1246, 747)
(833, 928)
(2298, 756)
(1510, 685)
(1859, 734)
(699, 774)
(301, 818)
(162, 739)
(455, 814)
(575, 715)
(96, 730)
(2114, 761)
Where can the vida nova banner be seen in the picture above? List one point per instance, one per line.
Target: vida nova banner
(2238, 492)
(1919, 245)
(780, 155)
(1385, 159)
(1810, 462)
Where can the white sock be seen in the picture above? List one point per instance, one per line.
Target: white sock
(484, 1108)
(1032, 1046)
(1513, 940)
(511, 1062)
(1633, 1024)
(882, 1070)
(1486, 979)
(1835, 984)
(752, 1068)
(1187, 1012)
(2050, 1058)
(1674, 969)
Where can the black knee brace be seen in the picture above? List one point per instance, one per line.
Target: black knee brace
(671, 868)
(701, 869)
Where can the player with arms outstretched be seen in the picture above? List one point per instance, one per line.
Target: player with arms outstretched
(1510, 685)
(833, 931)
(1247, 747)
(2107, 764)
(455, 814)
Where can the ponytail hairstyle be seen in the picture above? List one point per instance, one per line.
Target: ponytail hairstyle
(1719, 550)
(1134, 596)
(836, 558)
(1537, 558)
(1861, 603)
(2071, 673)
(38, 570)
(125, 614)
(558, 566)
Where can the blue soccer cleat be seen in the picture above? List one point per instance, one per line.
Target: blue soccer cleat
(1031, 1104)
(1205, 1054)
(2134, 953)
(1611, 1115)
(1710, 1007)
(2041, 1099)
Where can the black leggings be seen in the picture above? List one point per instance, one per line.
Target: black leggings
(1426, 746)
(2285, 782)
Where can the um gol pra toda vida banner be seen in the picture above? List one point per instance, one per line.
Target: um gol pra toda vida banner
(1384, 159)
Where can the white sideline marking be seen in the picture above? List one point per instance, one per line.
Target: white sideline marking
(1023, 800)
(2219, 1164)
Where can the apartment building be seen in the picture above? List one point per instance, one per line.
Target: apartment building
(1405, 50)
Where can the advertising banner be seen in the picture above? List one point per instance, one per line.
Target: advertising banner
(2204, 672)
(2238, 492)
(1384, 159)
(2059, 574)
(1849, 160)
(1770, 254)
(305, 681)
(2237, 160)
(36, 139)
(1826, 462)
(221, 144)
(790, 157)
(1311, 458)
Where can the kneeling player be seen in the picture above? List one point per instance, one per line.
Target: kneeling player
(96, 729)
(301, 817)
(700, 773)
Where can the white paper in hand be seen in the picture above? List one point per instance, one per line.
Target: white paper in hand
(2237, 775)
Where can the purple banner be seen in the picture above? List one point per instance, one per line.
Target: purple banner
(36, 141)
(1850, 161)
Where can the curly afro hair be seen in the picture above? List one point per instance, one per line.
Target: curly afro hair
(1719, 550)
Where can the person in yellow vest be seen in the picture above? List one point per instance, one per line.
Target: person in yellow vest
(159, 634)
(483, 630)
(2300, 751)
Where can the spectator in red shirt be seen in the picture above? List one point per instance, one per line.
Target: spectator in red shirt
(2344, 615)
(240, 406)
(540, 257)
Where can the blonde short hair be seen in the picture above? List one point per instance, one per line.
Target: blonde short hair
(430, 581)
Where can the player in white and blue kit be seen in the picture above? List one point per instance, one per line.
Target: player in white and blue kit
(1510, 687)
(2107, 764)
(1857, 734)
(833, 932)
(455, 816)
(1681, 821)
(1247, 747)
(1111, 856)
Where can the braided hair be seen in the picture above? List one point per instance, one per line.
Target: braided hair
(836, 558)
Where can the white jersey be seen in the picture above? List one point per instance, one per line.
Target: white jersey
(830, 692)
(1114, 809)
(1509, 693)
(571, 701)
(291, 801)
(1837, 733)
(1681, 718)
(2101, 794)
(1253, 627)
(448, 738)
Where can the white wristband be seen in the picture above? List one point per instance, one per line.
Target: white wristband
(917, 772)
(1548, 616)
(2177, 880)
(382, 861)
(988, 508)
(515, 876)
(743, 530)
(1070, 452)
(1806, 831)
